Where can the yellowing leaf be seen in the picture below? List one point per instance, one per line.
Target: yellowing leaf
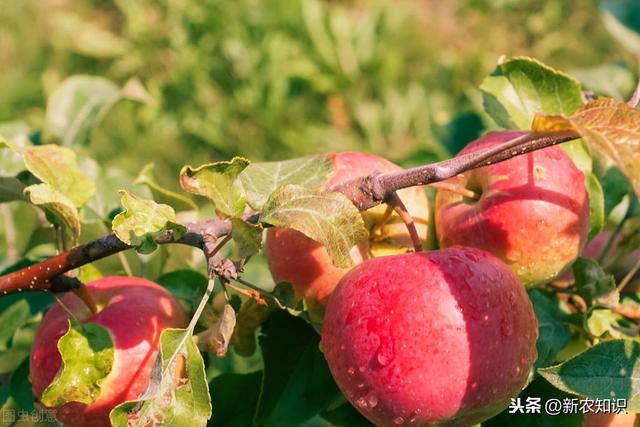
(607, 126)
(326, 217)
(218, 182)
(87, 358)
(142, 221)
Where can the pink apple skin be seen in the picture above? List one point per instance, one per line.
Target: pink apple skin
(438, 338)
(135, 311)
(533, 212)
(304, 263)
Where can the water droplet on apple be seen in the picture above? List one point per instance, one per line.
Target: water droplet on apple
(362, 369)
(361, 403)
(372, 400)
(351, 371)
(398, 421)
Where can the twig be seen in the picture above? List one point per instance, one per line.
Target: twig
(394, 201)
(364, 192)
(625, 281)
(464, 192)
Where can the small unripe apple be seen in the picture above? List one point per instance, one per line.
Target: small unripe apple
(305, 264)
(134, 311)
(439, 338)
(532, 211)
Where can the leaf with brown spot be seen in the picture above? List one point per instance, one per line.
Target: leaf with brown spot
(607, 126)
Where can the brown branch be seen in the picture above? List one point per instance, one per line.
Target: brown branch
(40, 277)
(364, 192)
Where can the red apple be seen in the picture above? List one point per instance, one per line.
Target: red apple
(439, 338)
(532, 211)
(304, 263)
(135, 311)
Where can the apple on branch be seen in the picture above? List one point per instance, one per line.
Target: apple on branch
(531, 211)
(305, 263)
(134, 311)
(445, 337)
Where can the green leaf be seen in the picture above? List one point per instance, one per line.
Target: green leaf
(77, 105)
(596, 204)
(554, 333)
(11, 189)
(247, 238)
(236, 396)
(146, 177)
(259, 180)
(614, 80)
(220, 183)
(615, 187)
(143, 221)
(11, 319)
(20, 346)
(296, 384)
(521, 87)
(187, 285)
(541, 389)
(87, 358)
(326, 217)
(594, 284)
(609, 370)
(178, 395)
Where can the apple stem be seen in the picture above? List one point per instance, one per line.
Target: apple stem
(375, 231)
(396, 203)
(83, 293)
(465, 192)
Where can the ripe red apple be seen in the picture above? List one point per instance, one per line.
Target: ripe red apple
(135, 311)
(304, 263)
(532, 211)
(439, 338)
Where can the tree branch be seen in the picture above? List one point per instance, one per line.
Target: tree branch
(364, 192)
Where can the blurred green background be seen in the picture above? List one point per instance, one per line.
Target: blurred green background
(275, 79)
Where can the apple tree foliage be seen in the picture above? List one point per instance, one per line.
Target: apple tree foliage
(251, 354)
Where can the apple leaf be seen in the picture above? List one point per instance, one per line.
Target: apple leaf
(11, 189)
(87, 358)
(187, 285)
(64, 187)
(227, 390)
(247, 238)
(261, 179)
(146, 177)
(249, 318)
(296, 384)
(326, 217)
(607, 126)
(178, 393)
(220, 183)
(520, 87)
(594, 284)
(554, 334)
(218, 335)
(11, 319)
(142, 221)
(609, 370)
(615, 80)
(77, 105)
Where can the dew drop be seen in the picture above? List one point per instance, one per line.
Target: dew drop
(351, 371)
(372, 400)
(398, 421)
